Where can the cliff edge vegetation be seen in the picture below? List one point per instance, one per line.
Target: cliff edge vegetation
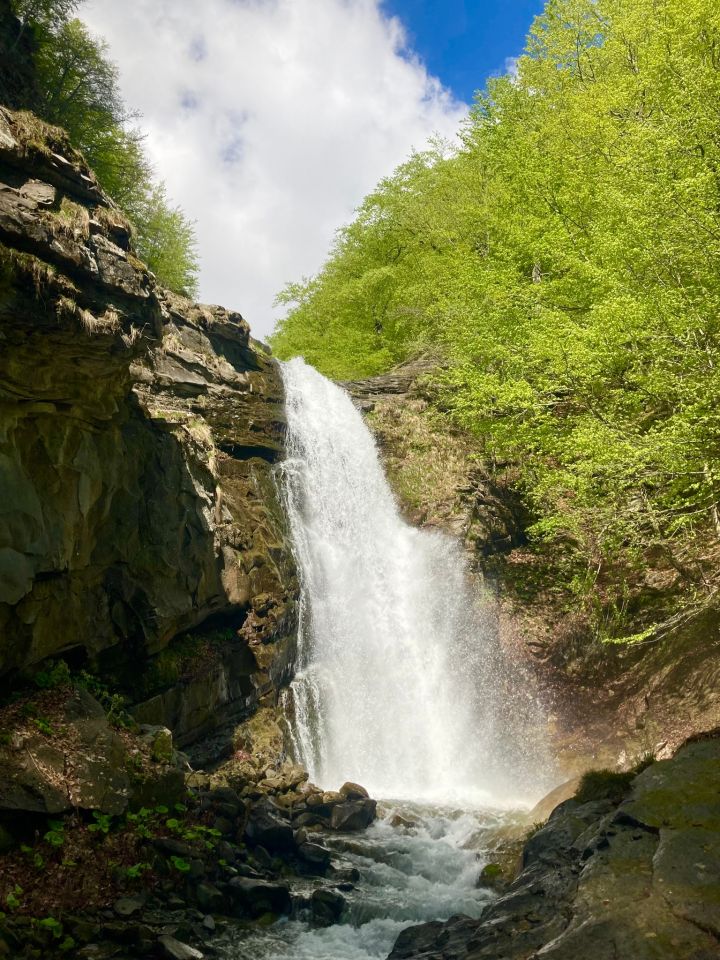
(54, 67)
(562, 259)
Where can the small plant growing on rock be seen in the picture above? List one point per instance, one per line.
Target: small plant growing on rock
(12, 900)
(603, 785)
(53, 925)
(55, 836)
(103, 823)
(53, 676)
(182, 865)
(37, 859)
(43, 725)
(117, 713)
(139, 821)
(114, 704)
(610, 785)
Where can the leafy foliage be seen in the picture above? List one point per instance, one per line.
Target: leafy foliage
(564, 258)
(79, 90)
(54, 674)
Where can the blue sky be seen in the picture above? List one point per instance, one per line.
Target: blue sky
(465, 41)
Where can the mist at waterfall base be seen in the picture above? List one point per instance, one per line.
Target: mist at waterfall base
(401, 683)
(425, 868)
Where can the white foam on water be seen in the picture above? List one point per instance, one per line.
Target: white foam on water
(401, 685)
(425, 870)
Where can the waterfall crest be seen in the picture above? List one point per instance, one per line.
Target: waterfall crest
(400, 683)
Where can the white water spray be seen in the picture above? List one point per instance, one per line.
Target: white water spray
(400, 683)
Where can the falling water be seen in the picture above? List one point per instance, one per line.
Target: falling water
(401, 684)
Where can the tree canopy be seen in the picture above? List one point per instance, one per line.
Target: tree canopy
(564, 258)
(78, 89)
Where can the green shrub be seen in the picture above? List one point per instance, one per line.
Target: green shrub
(79, 90)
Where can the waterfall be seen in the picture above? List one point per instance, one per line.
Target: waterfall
(400, 682)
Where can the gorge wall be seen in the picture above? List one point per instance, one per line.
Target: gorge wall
(607, 704)
(138, 432)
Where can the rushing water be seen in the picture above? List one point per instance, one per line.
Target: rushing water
(423, 868)
(401, 684)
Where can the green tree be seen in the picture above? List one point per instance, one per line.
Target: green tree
(79, 90)
(166, 241)
(44, 15)
(564, 260)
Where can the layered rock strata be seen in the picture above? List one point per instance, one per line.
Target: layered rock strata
(138, 434)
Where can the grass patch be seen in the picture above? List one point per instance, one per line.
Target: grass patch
(607, 784)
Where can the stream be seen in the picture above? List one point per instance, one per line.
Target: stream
(401, 685)
(424, 866)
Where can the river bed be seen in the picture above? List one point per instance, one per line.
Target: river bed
(416, 863)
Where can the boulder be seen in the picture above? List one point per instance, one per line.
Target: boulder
(267, 827)
(209, 898)
(226, 800)
(630, 875)
(294, 775)
(87, 770)
(315, 856)
(326, 906)
(165, 786)
(160, 741)
(127, 906)
(176, 950)
(343, 873)
(353, 815)
(253, 898)
(353, 791)
(307, 819)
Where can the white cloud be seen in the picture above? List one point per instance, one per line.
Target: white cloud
(269, 120)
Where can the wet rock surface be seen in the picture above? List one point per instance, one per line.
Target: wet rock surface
(139, 432)
(224, 848)
(605, 879)
(143, 549)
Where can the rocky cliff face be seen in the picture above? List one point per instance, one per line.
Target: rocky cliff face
(607, 704)
(624, 869)
(435, 468)
(138, 433)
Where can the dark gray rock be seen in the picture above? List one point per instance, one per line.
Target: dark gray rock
(307, 819)
(173, 848)
(255, 897)
(326, 906)
(209, 898)
(225, 826)
(353, 815)
(637, 878)
(268, 828)
(127, 906)
(343, 872)
(315, 856)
